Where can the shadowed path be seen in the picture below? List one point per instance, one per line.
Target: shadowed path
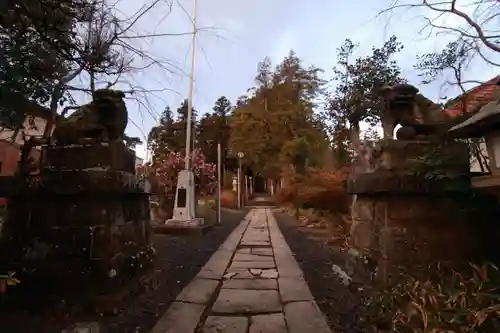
(251, 284)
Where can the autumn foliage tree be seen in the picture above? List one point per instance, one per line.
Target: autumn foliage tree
(280, 108)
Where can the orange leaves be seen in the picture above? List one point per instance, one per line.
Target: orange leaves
(319, 189)
(7, 280)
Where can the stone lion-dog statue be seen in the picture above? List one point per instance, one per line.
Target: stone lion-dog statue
(102, 120)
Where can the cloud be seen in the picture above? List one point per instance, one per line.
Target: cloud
(283, 46)
(236, 35)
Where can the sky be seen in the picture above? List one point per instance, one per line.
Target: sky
(234, 35)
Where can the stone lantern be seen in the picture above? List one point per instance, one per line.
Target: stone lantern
(407, 201)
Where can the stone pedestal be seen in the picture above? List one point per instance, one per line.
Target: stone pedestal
(406, 217)
(84, 220)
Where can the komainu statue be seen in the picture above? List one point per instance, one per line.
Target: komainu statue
(419, 117)
(102, 120)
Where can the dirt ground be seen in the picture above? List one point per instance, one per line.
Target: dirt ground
(341, 305)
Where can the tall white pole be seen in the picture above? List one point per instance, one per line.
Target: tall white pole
(190, 92)
(219, 179)
(246, 189)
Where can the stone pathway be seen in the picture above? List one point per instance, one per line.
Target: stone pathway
(252, 284)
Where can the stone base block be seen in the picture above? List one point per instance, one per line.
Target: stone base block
(196, 225)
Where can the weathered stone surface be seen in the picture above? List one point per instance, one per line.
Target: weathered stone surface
(207, 273)
(255, 239)
(252, 264)
(247, 301)
(232, 241)
(262, 251)
(241, 273)
(179, 318)
(269, 274)
(243, 251)
(251, 257)
(250, 284)
(256, 271)
(288, 267)
(216, 265)
(198, 291)
(293, 289)
(259, 227)
(271, 323)
(84, 156)
(229, 275)
(216, 324)
(255, 243)
(305, 317)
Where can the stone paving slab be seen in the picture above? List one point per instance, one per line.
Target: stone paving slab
(252, 284)
(254, 243)
(247, 301)
(238, 273)
(296, 314)
(252, 264)
(269, 323)
(262, 251)
(251, 257)
(294, 289)
(216, 324)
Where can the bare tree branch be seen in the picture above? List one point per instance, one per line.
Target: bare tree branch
(474, 36)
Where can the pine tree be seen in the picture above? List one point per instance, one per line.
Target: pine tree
(161, 138)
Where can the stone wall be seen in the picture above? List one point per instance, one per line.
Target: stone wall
(84, 220)
(404, 233)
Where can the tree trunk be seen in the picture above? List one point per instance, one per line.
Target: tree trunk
(54, 103)
(56, 96)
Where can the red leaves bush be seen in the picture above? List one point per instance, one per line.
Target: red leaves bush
(228, 199)
(318, 189)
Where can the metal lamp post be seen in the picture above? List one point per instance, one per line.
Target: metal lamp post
(240, 156)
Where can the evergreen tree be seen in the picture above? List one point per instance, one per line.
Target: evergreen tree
(280, 110)
(161, 138)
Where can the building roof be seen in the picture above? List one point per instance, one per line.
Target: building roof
(12, 119)
(475, 98)
(476, 123)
